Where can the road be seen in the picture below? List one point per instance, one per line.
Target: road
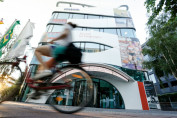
(29, 110)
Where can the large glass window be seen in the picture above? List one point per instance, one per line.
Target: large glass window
(47, 29)
(111, 31)
(102, 47)
(54, 15)
(84, 29)
(82, 46)
(121, 22)
(78, 16)
(50, 28)
(105, 95)
(127, 32)
(101, 30)
(134, 33)
(118, 32)
(91, 47)
(63, 16)
(92, 17)
(57, 28)
(130, 23)
(109, 96)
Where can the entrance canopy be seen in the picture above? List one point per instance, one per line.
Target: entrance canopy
(106, 71)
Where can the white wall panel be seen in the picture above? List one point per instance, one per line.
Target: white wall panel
(110, 56)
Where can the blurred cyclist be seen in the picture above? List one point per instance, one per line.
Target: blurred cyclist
(54, 50)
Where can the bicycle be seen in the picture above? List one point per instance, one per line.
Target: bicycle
(70, 87)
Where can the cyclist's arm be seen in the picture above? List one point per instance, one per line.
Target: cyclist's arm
(62, 36)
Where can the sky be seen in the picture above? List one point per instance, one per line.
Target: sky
(40, 11)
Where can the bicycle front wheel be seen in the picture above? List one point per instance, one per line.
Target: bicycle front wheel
(10, 81)
(76, 95)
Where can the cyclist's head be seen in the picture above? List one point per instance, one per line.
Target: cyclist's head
(72, 24)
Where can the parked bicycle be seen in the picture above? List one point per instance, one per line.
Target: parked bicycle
(69, 89)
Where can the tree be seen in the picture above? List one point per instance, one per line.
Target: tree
(168, 6)
(161, 46)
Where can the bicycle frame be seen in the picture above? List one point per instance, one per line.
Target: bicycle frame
(31, 83)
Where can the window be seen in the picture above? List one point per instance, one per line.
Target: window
(134, 33)
(86, 16)
(102, 48)
(77, 44)
(127, 32)
(107, 47)
(165, 85)
(101, 30)
(54, 15)
(93, 17)
(111, 31)
(121, 22)
(63, 16)
(57, 28)
(90, 47)
(152, 78)
(118, 32)
(130, 23)
(82, 46)
(78, 16)
(84, 29)
(174, 83)
(47, 29)
(50, 28)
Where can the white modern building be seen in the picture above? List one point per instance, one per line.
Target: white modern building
(111, 52)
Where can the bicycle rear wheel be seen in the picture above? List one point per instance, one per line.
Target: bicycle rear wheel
(10, 81)
(77, 95)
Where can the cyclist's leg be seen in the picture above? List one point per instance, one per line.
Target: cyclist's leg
(43, 50)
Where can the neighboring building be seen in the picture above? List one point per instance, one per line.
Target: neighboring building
(166, 89)
(111, 50)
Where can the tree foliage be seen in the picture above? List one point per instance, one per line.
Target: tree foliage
(161, 46)
(168, 6)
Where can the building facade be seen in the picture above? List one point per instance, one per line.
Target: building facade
(111, 52)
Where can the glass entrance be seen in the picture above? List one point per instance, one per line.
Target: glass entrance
(106, 96)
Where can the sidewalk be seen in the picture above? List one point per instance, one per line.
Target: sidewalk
(42, 110)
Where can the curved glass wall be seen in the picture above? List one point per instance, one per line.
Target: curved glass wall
(91, 47)
(116, 31)
(105, 95)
